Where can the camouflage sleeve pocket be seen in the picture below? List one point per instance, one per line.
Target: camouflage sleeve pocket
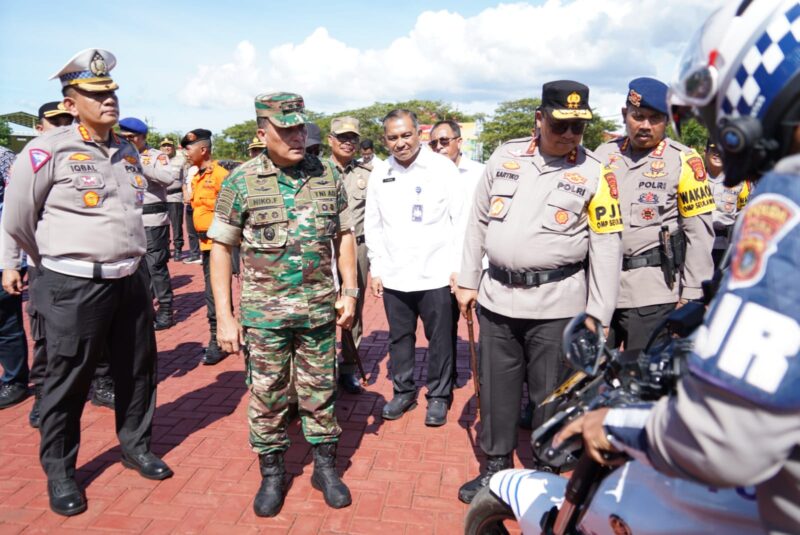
(327, 213)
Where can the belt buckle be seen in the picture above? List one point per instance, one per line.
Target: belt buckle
(531, 279)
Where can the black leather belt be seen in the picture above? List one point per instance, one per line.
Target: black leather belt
(529, 279)
(154, 208)
(646, 259)
(175, 190)
(359, 239)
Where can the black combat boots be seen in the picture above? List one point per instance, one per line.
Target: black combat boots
(494, 463)
(325, 478)
(269, 498)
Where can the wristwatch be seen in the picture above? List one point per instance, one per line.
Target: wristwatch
(350, 292)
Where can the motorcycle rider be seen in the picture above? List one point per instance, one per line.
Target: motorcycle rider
(736, 418)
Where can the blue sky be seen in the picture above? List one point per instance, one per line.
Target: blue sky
(183, 65)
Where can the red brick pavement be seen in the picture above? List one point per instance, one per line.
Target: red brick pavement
(403, 476)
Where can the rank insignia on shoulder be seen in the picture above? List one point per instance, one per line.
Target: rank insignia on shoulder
(658, 152)
(38, 157)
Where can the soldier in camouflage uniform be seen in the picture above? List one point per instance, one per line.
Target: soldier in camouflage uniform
(285, 208)
(343, 139)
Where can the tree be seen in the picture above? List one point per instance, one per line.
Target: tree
(695, 135)
(515, 119)
(5, 133)
(232, 143)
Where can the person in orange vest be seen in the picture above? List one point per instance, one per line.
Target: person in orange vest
(204, 186)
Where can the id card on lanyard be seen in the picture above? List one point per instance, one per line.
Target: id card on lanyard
(416, 209)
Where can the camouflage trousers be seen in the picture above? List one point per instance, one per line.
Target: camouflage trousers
(271, 353)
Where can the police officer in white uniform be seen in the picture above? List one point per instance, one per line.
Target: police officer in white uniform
(544, 207)
(92, 286)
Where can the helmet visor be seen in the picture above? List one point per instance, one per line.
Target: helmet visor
(696, 82)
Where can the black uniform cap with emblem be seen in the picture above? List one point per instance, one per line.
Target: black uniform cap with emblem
(53, 109)
(565, 100)
(198, 134)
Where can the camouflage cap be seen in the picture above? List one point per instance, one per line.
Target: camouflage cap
(343, 125)
(284, 110)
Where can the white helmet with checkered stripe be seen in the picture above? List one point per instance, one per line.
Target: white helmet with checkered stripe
(741, 75)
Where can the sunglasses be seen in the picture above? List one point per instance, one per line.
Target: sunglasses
(443, 141)
(128, 136)
(347, 138)
(561, 127)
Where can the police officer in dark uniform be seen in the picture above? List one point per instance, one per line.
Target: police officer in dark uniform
(74, 205)
(159, 174)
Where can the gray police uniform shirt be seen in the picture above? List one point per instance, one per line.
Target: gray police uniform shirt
(728, 205)
(667, 186)
(175, 189)
(533, 212)
(72, 197)
(159, 174)
(355, 176)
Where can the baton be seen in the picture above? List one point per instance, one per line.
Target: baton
(473, 358)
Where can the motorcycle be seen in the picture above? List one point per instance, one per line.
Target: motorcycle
(596, 499)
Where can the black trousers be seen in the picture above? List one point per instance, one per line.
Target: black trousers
(194, 241)
(39, 366)
(13, 345)
(157, 257)
(511, 351)
(402, 311)
(211, 311)
(634, 326)
(175, 210)
(85, 318)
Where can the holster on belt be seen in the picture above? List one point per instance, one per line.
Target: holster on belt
(667, 256)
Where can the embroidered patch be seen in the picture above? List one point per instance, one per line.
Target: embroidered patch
(131, 160)
(648, 198)
(613, 189)
(764, 223)
(497, 207)
(562, 216)
(648, 214)
(511, 165)
(91, 199)
(38, 157)
(80, 157)
(575, 178)
(656, 169)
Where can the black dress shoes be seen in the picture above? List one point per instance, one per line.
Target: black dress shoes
(437, 412)
(213, 355)
(148, 465)
(66, 497)
(398, 405)
(350, 383)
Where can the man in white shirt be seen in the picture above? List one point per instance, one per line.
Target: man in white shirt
(411, 228)
(445, 138)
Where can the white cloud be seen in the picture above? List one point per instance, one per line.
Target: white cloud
(502, 53)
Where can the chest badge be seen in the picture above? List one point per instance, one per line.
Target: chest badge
(656, 169)
(361, 183)
(497, 207)
(511, 165)
(648, 198)
(91, 199)
(562, 217)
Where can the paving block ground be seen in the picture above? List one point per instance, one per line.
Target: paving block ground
(404, 476)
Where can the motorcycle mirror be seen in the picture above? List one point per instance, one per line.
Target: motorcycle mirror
(583, 349)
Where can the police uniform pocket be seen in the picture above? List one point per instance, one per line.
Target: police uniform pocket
(327, 217)
(269, 228)
(502, 193)
(563, 211)
(644, 215)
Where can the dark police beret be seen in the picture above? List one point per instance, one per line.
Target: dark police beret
(648, 93)
(52, 109)
(132, 124)
(566, 99)
(198, 134)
